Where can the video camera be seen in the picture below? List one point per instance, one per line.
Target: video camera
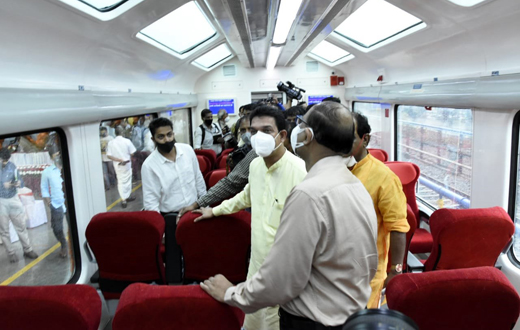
(291, 90)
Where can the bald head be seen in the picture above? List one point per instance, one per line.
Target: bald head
(333, 126)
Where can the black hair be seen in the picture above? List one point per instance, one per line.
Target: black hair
(249, 107)
(327, 122)
(362, 124)
(331, 99)
(269, 111)
(119, 130)
(294, 111)
(310, 107)
(289, 126)
(52, 150)
(102, 128)
(204, 112)
(159, 122)
(5, 154)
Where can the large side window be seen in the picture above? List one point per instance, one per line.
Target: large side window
(125, 144)
(514, 198)
(181, 120)
(439, 141)
(37, 223)
(373, 113)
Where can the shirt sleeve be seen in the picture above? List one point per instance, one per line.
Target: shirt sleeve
(287, 268)
(44, 185)
(392, 206)
(199, 179)
(198, 138)
(239, 202)
(231, 184)
(151, 189)
(110, 145)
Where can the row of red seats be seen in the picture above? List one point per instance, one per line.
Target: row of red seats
(208, 160)
(141, 307)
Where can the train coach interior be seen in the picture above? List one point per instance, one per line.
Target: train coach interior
(439, 82)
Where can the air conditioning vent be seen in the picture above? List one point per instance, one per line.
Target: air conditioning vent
(229, 70)
(312, 66)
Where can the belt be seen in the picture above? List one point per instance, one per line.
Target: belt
(296, 322)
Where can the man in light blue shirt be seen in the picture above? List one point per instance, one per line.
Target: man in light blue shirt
(52, 193)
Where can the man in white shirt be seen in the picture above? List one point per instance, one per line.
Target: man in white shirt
(171, 174)
(324, 253)
(109, 175)
(120, 151)
(209, 134)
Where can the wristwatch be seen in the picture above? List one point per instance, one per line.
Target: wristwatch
(397, 267)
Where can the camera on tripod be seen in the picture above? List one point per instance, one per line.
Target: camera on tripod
(291, 90)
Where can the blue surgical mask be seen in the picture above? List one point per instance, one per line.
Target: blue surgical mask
(246, 137)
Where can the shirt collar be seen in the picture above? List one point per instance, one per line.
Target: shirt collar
(326, 164)
(363, 161)
(279, 162)
(180, 152)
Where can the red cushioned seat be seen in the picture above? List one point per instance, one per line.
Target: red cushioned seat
(222, 163)
(215, 176)
(408, 174)
(224, 153)
(216, 246)
(59, 307)
(468, 238)
(210, 154)
(472, 298)
(153, 307)
(127, 246)
(379, 154)
(204, 164)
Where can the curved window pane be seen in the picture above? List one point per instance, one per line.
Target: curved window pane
(373, 113)
(214, 56)
(440, 142)
(36, 211)
(103, 5)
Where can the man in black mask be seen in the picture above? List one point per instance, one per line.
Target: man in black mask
(170, 175)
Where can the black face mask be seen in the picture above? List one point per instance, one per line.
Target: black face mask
(208, 122)
(166, 147)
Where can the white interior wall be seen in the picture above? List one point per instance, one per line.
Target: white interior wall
(247, 80)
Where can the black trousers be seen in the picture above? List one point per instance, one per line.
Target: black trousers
(57, 225)
(293, 322)
(173, 250)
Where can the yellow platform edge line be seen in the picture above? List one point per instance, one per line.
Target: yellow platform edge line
(119, 200)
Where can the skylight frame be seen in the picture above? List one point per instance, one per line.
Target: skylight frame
(103, 14)
(419, 25)
(349, 56)
(458, 3)
(215, 64)
(185, 52)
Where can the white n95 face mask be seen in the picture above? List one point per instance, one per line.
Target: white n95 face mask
(264, 144)
(294, 137)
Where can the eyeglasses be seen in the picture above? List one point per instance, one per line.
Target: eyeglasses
(299, 120)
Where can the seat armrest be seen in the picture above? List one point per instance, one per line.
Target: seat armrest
(414, 264)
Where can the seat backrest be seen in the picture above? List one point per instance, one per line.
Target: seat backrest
(408, 173)
(215, 176)
(127, 249)
(216, 246)
(49, 307)
(204, 164)
(379, 154)
(187, 307)
(471, 298)
(468, 238)
(410, 217)
(223, 162)
(210, 154)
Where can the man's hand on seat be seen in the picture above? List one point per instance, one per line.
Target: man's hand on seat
(216, 287)
(191, 207)
(207, 213)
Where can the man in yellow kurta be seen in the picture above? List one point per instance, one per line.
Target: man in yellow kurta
(272, 176)
(390, 205)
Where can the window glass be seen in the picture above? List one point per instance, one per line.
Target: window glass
(103, 5)
(373, 113)
(467, 3)
(126, 139)
(374, 22)
(181, 30)
(515, 190)
(36, 210)
(330, 54)
(181, 120)
(214, 57)
(440, 142)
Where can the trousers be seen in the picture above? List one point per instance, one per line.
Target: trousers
(57, 225)
(11, 209)
(293, 322)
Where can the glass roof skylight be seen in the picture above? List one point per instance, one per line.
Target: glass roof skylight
(376, 21)
(103, 5)
(180, 31)
(330, 53)
(466, 3)
(211, 59)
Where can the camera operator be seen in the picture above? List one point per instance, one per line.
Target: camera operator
(229, 139)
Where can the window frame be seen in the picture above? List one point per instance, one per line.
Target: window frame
(106, 9)
(216, 64)
(71, 209)
(323, 60)
(102, 14)
(354, 110)
(396, 119)
(513, 177)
